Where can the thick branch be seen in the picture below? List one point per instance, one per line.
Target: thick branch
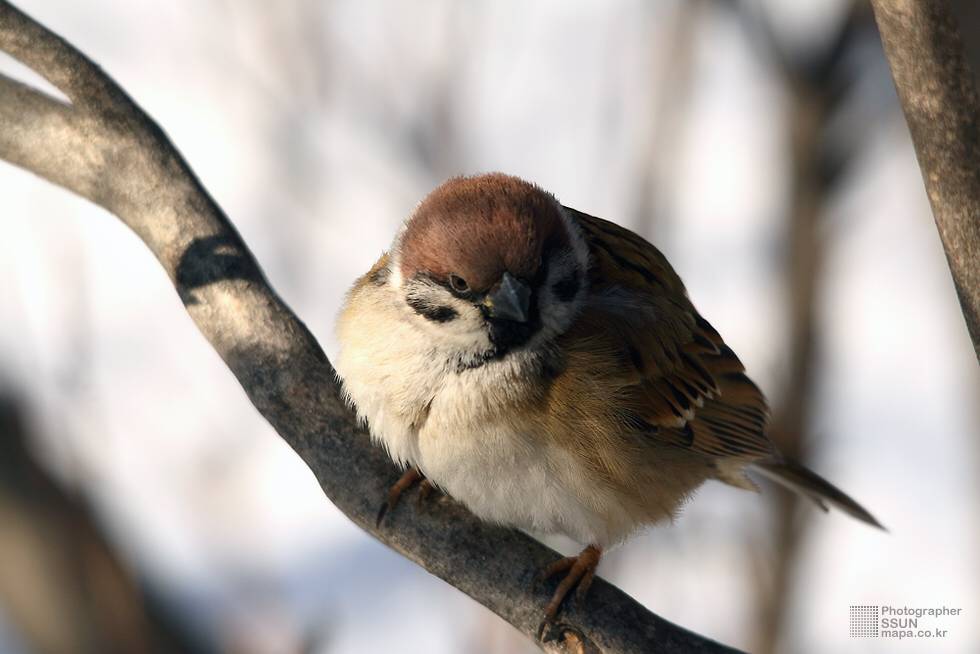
(939, 97)
(104, 148)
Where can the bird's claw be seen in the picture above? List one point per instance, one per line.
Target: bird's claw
(580, 574)
(411, 477)
(426, 488)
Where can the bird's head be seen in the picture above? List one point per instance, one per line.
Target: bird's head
(489, 265)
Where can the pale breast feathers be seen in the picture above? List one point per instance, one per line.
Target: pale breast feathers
(383, 363)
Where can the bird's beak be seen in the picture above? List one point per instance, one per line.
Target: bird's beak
(509, 300)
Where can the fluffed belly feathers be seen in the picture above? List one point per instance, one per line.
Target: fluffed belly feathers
(449, 424)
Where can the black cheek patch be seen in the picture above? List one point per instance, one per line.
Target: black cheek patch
(430, 312)
(566, 288)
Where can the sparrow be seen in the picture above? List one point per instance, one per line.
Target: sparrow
(547, 369)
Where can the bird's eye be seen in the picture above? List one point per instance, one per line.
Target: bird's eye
(459, 284)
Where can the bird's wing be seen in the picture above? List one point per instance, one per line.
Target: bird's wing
(680, 382)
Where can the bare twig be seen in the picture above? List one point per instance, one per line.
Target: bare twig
(817, 87)
(939, 97)
(674, 62)
(805, 252)
(104, 148)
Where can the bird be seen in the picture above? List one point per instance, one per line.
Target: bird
(547, 369)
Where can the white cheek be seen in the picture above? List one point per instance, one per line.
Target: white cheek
(468, 331)
(465, 335)
(395, 277)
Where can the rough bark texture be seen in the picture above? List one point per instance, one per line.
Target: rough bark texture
(939, 97)
(104, 148)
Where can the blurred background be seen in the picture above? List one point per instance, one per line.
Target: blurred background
(758, 144)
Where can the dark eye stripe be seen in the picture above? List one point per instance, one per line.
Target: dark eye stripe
(566, 287)
(431, 312)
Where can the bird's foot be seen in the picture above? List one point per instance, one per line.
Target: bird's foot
(580, 572)
(411, 477)
(426, 488)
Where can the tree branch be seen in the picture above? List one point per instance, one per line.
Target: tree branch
(104, 148)
(939, 97)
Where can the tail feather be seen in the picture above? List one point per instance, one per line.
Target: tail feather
(804, 481)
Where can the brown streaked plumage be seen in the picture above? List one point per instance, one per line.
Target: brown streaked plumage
(691, 388)
(569, 385)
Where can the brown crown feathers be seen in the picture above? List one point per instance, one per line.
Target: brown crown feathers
(480, 227)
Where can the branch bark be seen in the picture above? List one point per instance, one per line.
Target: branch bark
(939, 97)
(103, 147)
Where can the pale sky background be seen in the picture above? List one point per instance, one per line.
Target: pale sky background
(313, 128)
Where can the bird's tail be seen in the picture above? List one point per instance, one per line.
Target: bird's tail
(804, 481)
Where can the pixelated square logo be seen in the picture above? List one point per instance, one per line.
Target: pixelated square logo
(864, 621)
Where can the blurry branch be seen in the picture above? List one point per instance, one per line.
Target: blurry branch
(104, 148)
(804, 254)
(61, 583)
(672, 63)
(938, 93)
(817, 84)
